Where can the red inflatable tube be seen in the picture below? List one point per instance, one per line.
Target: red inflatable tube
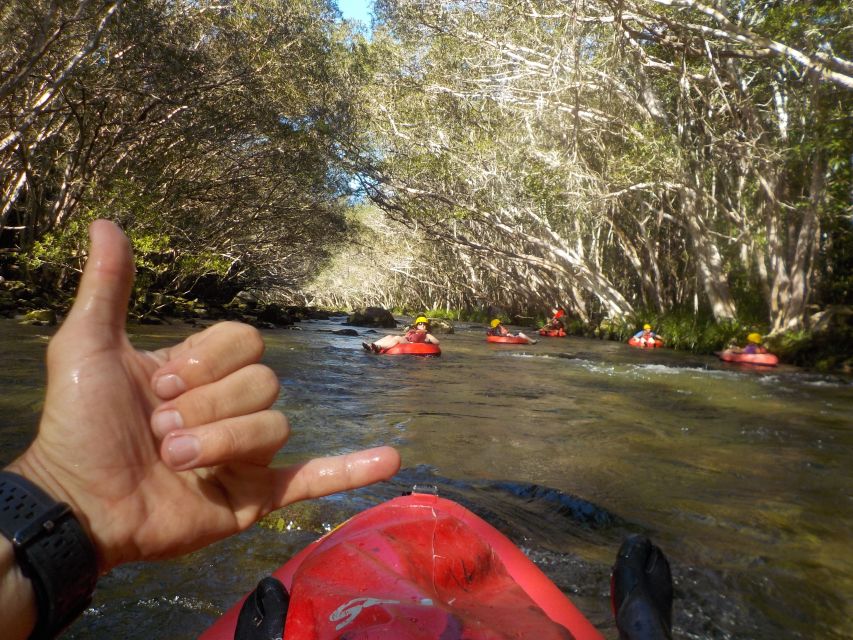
(551, 333)
(412, 348)
(418, 567)
(761, 359)
(507, 339)
(640, 343)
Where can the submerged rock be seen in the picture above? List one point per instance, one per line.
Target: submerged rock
(274, 314)
(245, 299)
(41, 317)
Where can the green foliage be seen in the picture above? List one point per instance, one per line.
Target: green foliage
(574, 326)
(204, 263)
(808, 25)
(214, 138)
(53, 263)
(836, 262)
(828, 350)
(751, 305)
(57, 251)
(442, 314)
(148, 252)
(475, 315)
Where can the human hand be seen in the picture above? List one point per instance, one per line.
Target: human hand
(162, 453)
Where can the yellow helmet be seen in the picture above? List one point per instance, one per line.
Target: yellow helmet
(647, 327)
(494, 323)
(420, 319)
(755, 338)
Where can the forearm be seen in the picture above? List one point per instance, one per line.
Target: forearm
(17, 599)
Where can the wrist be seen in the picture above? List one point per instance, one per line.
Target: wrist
(49, 562)
(17, 597)
(31, 467)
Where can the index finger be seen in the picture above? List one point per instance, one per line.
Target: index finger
(206, 357)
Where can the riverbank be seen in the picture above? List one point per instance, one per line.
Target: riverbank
(826, 347)
(31, 306)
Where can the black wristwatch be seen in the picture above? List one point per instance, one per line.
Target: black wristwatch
(52, 550)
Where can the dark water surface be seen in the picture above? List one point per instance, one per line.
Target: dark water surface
(744, 477)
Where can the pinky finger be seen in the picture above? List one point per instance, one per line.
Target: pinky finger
(253, 438)
(323, 476)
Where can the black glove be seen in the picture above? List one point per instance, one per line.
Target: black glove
(641, 591)
(262, 615)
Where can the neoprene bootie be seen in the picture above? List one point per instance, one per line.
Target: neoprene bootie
(641, 591)
(263, 613)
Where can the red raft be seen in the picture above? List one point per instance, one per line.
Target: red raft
(760, 359)
(418, 567)
(552, 333)
(412, 348)
(642, 343)
(507, 339)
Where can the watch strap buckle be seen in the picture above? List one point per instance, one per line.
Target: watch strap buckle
(45, 522)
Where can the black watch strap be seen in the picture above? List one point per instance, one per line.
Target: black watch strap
(52, 550)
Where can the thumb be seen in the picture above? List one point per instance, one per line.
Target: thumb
(100, 309)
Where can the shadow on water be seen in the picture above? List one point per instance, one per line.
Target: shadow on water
(742, 476)
(521, 511)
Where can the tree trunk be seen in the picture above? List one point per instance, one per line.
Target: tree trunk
(708, 261)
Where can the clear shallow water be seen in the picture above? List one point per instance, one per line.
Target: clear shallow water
(744, 477)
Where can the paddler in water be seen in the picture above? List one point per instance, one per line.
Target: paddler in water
(647, 336)
(419, 332)
(497, 329)
(556, 322)
(753, 345)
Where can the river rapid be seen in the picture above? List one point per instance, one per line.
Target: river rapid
(743, 476)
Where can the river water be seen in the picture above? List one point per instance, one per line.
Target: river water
(743, 477)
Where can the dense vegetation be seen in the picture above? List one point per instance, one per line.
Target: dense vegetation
(205, 130)
(641, 158)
